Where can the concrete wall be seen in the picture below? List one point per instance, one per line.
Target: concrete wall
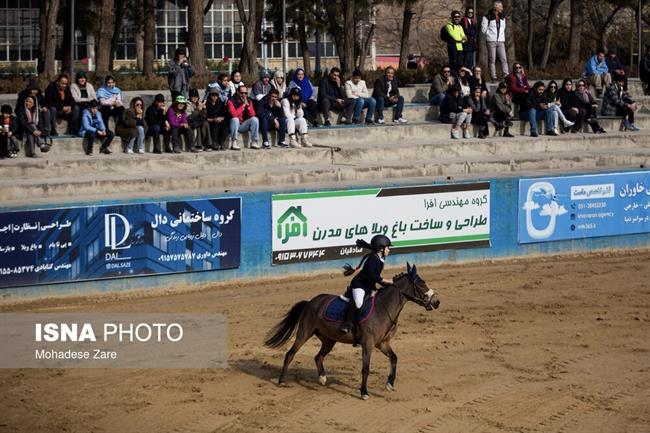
(256, 248)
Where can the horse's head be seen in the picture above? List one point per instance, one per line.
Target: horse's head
(415, 289)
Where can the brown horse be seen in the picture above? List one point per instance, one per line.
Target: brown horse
(376, 331)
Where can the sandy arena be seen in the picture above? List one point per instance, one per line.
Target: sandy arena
(558, 344)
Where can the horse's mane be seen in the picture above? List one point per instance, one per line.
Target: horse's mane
(400, 275)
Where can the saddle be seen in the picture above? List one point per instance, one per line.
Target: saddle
(334, 310)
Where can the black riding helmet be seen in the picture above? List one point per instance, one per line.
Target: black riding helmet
(378, 242)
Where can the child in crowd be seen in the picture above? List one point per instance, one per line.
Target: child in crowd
(156, 118)
(180, 127)
(9, 143)
(93, 127)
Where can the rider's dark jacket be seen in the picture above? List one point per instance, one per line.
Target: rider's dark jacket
(370, 274)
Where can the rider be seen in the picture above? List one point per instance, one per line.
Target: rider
(365, 281)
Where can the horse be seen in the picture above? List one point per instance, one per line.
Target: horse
(376, 331)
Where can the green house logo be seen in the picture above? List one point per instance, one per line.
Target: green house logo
(291, 224)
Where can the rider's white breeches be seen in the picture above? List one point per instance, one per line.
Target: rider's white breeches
(358, 295)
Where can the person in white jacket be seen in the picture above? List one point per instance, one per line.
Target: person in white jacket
(356, 89)
(294, 114)
(493, 26)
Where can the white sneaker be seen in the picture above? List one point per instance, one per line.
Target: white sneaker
(266, 145)
(140, 151)
(234, 145)
(255, 145)
(400, 120)
(467, 134)
(380, 121)
(568, 123)
(129, 151)
(455, 133)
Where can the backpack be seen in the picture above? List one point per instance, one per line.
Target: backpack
(444, 35)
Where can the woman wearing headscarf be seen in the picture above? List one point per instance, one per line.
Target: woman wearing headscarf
(278, 83)
(301, 81)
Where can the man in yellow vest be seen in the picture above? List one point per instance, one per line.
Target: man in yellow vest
(455, 39)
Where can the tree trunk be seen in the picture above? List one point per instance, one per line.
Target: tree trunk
(548, 31)
(365, 47)
(575, 32)
(529, 41)
(66, 48)
(139, 50)
(106, 29)
(149, 38)
(195, 29)
(120, 9)
(350, 33)
(248, 60)
(304, 45)
(47, 41)
(404, 46)
(482, 9)
(511, 45)
(334, 14)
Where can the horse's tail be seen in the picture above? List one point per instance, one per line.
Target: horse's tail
(280, 333)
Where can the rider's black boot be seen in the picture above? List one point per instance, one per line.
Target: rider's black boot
(350, 315)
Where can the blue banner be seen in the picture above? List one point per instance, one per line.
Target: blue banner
(95, 242)
(574, 207)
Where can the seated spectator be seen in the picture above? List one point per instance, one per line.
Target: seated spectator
(597, 72)
(220, 84)
(279, 83)
(454, 110)
(331, 96)
(644, 71)
(386, 93)
(554, 104)
(480, 112)
(261, 88)
(82, 92)
(242, 118)
(440, 85)
(197, 116)
(357, 90)
(60, 102)
(292, 106)
(586, 102)
(132, 127)
(34, 89)
(476, 79)
(93, 127)
(234, 83)
(570, 105)
(110, 100)
(9, 143)
(536, 109)
(301, 81)
(614, 65)
(502, 110)
(271, 118)
(463, 79)
(617, 102)
(180, 126)
(217, 113)
(156, 117)
(30, 125)
(518, 86)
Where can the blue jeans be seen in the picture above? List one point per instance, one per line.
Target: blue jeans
(251, 124)
(138, 139)
(267, 125)
(437, 99)
(362, 103)
(383, 102)
(533, 115)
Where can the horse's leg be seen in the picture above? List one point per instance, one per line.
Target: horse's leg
(304, 334)
(385, 348)
(365, 369)
(324, 350)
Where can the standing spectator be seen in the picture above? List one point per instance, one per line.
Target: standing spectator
(614, 65)
(644, 71)
(279, 83)
(110, 100)
(261, 88)
(29, 124)
(34, 89)
(60, 102)
(586, 102)
(570, 105)
(455, 111)
(440, 85)
(455, 40)
(93, 127)
(292, 106)
(235, 82)
(301, 81)
(518, 86)
(480, 112)
(597, 72)
(386, 93)
(9, 143)
(156, 117)
(242, 118)
(132, 127)
(271, 118)
(331, 96)
(180, 126)
(463, 79)
(180, 72)
(536, 109)
(502, 110)
(357, 90)
(217, 113)
(493, 26)
(476, 80)
(83, 92)
(470, 27)
(617, 102)
(198, 118)
(552, 98)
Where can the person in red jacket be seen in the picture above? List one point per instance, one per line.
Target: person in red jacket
(518, 86)
(243, 118)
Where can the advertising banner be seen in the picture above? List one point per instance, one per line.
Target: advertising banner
(87, 243)
(325, 225)
(574, 207)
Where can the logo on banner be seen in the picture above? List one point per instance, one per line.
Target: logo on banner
(541, 197)
(292, 223)
(113, 222)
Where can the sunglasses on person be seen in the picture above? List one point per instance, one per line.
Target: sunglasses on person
(518, 67)
(243, 93)
(456, 17)
(581, 85)
(446, 71)
(138, 104)
(552, 87)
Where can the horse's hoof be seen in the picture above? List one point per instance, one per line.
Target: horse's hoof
(282, 383)
(365, 396)
(322, 380)
(390, 387)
